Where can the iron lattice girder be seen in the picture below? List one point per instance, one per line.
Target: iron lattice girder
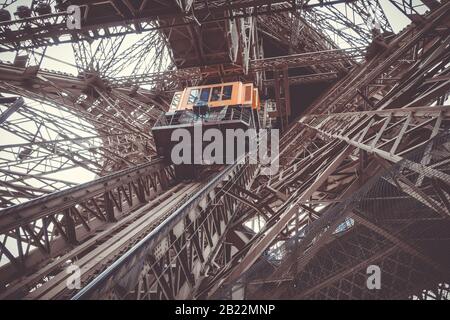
(308, 59)
(6, 3)
(381, 133)
(105, 20)
(101, 141)
(403, 223)
(310, 78)
(108, 57)
(175, 78)
(439, 292)
(116, 241)
(31, 210)
(301, 162)
(387, 135)
(414, 10)
(391, 63)
(398, 145)
(13, 80)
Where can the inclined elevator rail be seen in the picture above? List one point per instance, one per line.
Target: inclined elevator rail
(64, 225)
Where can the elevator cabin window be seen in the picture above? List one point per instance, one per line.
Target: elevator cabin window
(216, 93)
(175, 101)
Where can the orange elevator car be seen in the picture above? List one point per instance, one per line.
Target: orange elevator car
(232, 105)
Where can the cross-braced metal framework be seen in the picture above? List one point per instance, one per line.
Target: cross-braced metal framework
(363, 175)
(48, 139)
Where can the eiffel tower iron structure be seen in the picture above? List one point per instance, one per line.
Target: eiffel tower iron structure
(364, 154)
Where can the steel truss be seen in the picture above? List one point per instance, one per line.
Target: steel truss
(172, 261)
(71, 223)
(320, 159)
(168, 81)
(71, 122)
(136, 235)
(51, 29)
(415, 9)
(175, 78)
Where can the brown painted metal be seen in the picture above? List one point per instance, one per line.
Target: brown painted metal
(135, 232)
